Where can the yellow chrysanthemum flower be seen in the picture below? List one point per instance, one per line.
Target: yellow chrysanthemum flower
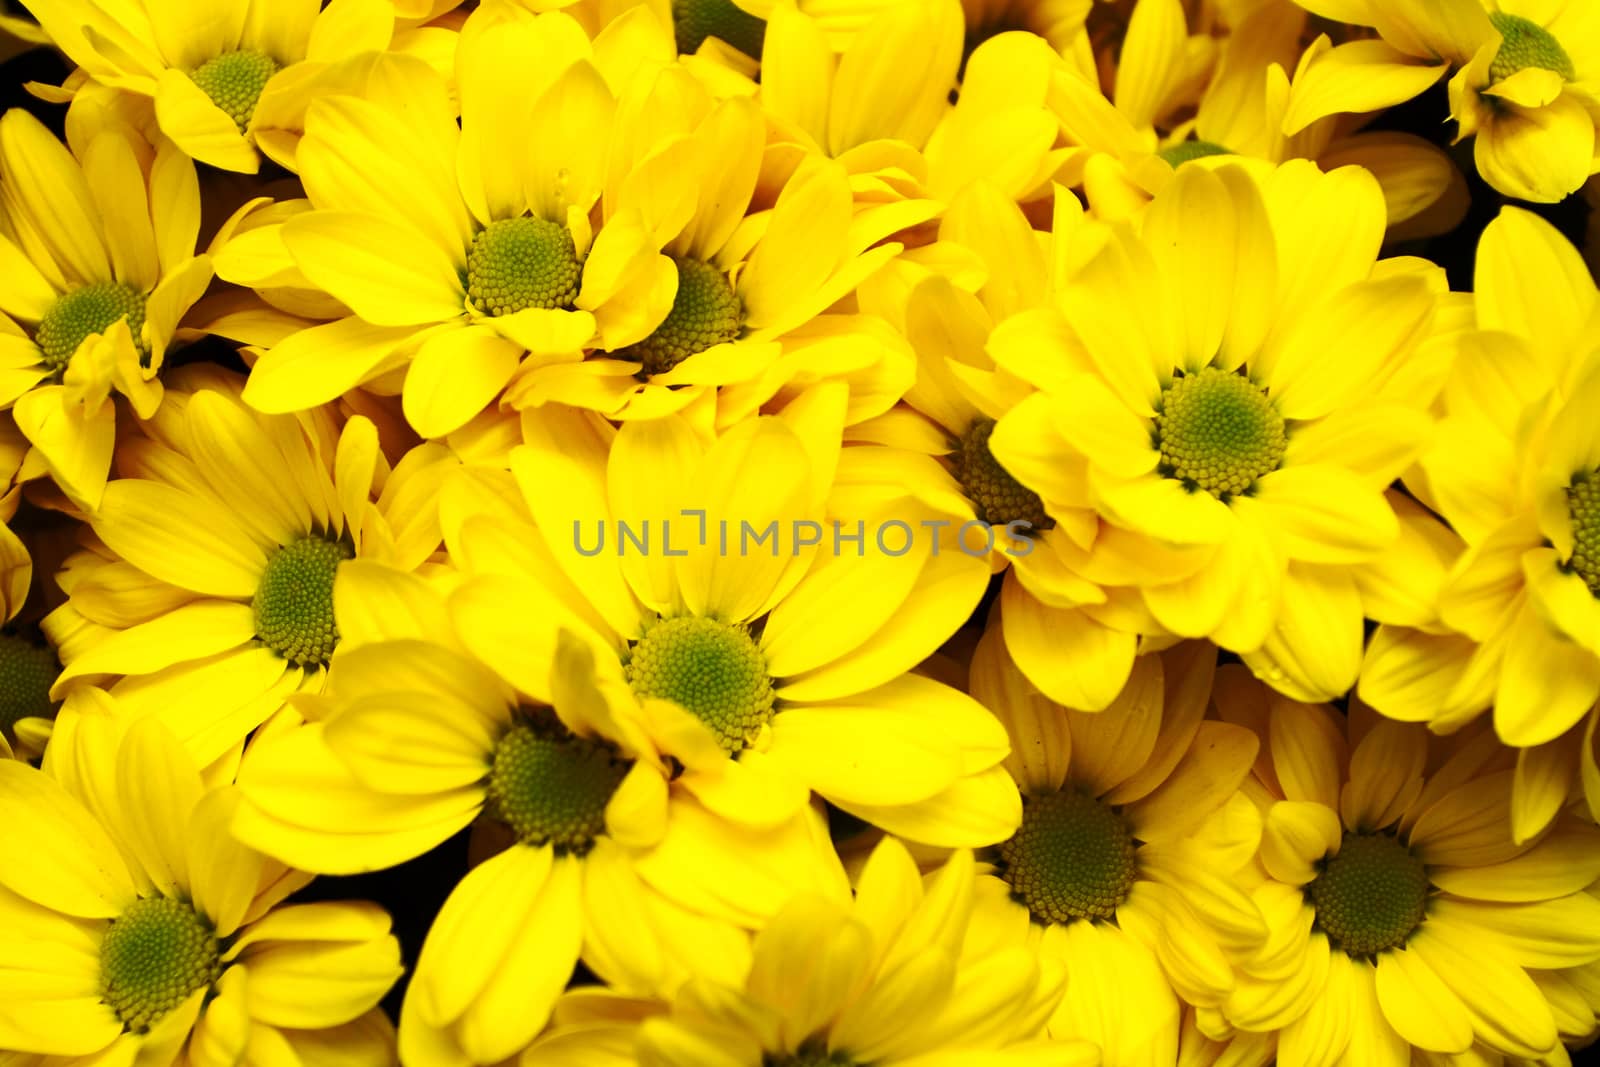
(901, 976)
(209, 590)
(1403, 916)
(1186, 397)
(749, 319)
(1508, 604)
(228, 80)
(457, 253)
(764, 643)
(1132, 828)
(138, 930)
(1525, 88)
(100, 267)
(417, 739)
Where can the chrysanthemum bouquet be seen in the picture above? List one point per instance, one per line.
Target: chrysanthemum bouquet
(799, 533)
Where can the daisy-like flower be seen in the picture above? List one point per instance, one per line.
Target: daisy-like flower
(770, 643)
(460, 250)
(138, 929)
(416, 739)
(100, 267)
(1185, 395)
(900, 976)
(208, 590)
(225, 81)
(748, 322)
(1132, 826)
(1403, 916)
(1510, 596)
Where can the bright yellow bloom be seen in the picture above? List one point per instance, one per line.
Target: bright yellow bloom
(227, 80)
(1187, 399)
(1510, 608)
(1403, 916)
(766, 640)
(100, 266)
(460, 251)
(138, 928)
(1132, 829)
(209, 592)
(901, 976)
(417, 738)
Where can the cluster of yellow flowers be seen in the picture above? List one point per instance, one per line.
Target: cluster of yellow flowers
(897, 533)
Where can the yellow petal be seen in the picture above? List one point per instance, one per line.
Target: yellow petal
(1073, 659)
(454, 376)
(144, 522)
(57, 223)
(1539, 154)
(1419, 1005)
(198, 126)
(73, 868)
(1358, 76)
(381, 269)
(316, 365)
(877, 95)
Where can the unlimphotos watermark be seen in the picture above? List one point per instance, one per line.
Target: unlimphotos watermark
(891, 537)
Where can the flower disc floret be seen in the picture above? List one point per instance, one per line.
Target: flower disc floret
(1524, 44)
(695, 20)
(82, 313)
(1073, 858)
(153, 956)
(997, 497)
(234, 81)
(551, 786)
(1371, 896)
(712, 669)
(27, 671)
(1218, 432)
(516, 264)
(294, 603)
(1583, 505)
(705, 313)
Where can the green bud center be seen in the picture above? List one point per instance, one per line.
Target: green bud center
(27, 671)
(516, 264)
(1073, 858)
(695, 20)
(1184, 151)
(82, 313)
(1218, 432)
(711, 669)
(294, 602)
(234, 81)
(153, 956)
(705, 313)
(1371, 896)
(1583, 505)
(996, 496)
(551, 786)
(1525, 44)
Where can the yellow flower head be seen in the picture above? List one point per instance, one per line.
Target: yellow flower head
(233, 526)
(100, 264)
(902, 973)
(1403, 915)
(1132, 831)
(146, 928)
(230, 80)
(1187, 398)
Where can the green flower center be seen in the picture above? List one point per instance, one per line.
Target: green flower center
(711, 669)
(811, 1054)
(82, 313)
(1184, 151)
(1583, 504)
(1218, 432)
(1525, 44)
(27, 671)
(705, 313)
(294, 603)
(516, 264)
(1072, 858)
(1371, 896)
(152, 957)
(997, 497)
(695, 20)
(551, 786)
(234, 81)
